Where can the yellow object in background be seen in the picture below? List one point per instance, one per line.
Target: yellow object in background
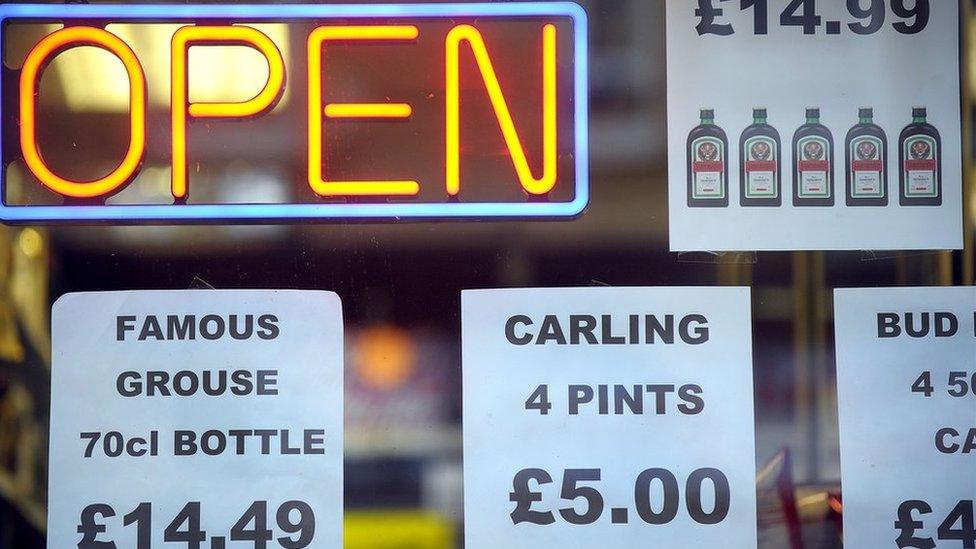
(398, 530)
(384, 357)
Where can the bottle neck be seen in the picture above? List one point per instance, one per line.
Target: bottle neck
(759, 120)
(813, 120)
(867, 120)
(707, 121)
(919, 120)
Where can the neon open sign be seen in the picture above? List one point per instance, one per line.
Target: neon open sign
(493, 135)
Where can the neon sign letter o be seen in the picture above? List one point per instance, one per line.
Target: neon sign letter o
(37, 59)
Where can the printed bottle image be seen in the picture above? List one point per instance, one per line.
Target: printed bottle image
(760, 171)
(866, 162)
(708, 169)
(813, 163)
(920, 162)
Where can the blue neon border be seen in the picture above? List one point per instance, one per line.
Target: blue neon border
(284, 212)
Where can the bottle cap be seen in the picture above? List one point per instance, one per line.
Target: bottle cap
(813, 112)
(759, 112)
(708, 113)
(865, 112)
(920, 112)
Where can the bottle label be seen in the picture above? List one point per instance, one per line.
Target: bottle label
(921, 167)
(708, 168)
(762, 158)
(867, 167)
(813, 166)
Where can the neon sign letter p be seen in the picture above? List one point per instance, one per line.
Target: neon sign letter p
(260, 103)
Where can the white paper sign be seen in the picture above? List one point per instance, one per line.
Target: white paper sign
(202, 417)
(602, 418)
(814, 125)
(906, 375)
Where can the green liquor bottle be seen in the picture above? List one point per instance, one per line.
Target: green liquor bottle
(920, 160)
(708, 167)
(813, 163)
(760, 172)
(867, 162)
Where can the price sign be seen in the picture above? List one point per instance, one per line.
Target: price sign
(186, 526)
(908, 16)
(610, 418)
(906, 373)
(814, 125)
(196, 419)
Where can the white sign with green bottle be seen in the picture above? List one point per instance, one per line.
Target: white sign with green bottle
(865, 99)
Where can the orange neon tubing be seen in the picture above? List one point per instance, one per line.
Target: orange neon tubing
(37, 59)
(471, 35)
(188, 36)
(316, 41)
(368, 110)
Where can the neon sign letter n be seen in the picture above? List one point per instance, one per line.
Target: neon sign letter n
(530, 183)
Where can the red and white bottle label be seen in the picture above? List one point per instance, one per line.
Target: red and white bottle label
(921, 167)
(708, 168)
(814, 167)
(762, 157)
(867, 167)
